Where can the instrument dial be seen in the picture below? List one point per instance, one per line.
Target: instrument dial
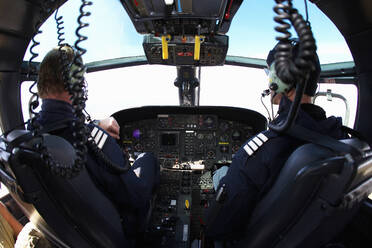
(224, 138)
(224, 126)
(200, 136)
(209, 121)
(236, 135)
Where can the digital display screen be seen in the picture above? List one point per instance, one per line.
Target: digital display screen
(168, 139)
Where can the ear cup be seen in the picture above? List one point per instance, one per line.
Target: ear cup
(74, 68)
(275, 83)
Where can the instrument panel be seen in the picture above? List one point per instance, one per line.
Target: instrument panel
(190, 143)
(181, 141)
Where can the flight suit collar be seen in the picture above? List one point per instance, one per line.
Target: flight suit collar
(309, 115)
(55, 110)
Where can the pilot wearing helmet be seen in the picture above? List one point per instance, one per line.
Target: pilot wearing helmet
(258, 162)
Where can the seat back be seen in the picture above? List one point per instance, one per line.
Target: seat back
(307, 205)
(76, 212)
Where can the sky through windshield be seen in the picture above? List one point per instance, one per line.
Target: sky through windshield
(111, 34)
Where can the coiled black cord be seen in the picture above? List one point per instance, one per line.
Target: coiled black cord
(77, 89)
(32, 68)
(55, 167)
(74, 83)
(45, 8)
(33, 103)
(293, 70)
(79, 96)
(34, 54)
(290, 69)
(60, 27)
(110, 165)
(73, 77)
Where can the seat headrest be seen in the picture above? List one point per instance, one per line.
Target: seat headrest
(16, 134)
(60, 149)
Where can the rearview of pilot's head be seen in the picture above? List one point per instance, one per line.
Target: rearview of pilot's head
(279, 88)
(51, 80)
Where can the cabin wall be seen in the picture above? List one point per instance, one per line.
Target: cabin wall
(18, 19)
(10, 101)
(354, 20)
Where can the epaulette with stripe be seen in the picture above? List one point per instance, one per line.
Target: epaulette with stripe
(98, 136)
(256, 142)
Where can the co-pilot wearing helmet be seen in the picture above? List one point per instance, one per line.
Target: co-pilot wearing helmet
(258, 162)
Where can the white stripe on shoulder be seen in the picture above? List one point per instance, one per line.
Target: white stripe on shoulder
(262, 137)
(248, 150)
(98, 136)
(255, 143)
(102, 141)
(94, 132)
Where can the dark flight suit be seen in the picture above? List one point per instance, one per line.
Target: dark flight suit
(130, 193)
(257, 164)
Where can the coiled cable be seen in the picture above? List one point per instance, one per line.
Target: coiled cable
(54, 166)
(60, 28)
(110, 165)
(293, 70)
(76, 87)
(33, 104)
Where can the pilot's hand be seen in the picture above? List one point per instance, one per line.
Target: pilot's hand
(111, 126)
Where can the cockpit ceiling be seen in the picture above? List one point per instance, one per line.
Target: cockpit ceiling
(181, 17)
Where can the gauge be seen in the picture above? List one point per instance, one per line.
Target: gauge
(249, 132)
(248, 135)
(236, 135)
(200, 136)
(149, 146)
(209, 136)
(224, 126)
(224, 149)
(235, 148)
(150, 133)
(126, 136)
(138, 147)
(224, 138)
(211, 154)
(208, 121)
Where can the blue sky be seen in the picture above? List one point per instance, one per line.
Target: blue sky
(111, 33)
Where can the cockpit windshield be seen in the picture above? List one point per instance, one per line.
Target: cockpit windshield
(251, 35)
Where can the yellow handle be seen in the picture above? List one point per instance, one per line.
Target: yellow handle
(164, 45)
(187, 204)
(198, 40)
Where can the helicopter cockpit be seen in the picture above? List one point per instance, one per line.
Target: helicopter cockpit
(190, 140)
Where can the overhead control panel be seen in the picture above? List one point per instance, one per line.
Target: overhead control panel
(181, 17)
(186, 50)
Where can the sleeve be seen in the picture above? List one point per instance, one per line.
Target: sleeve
(124, 189)
(241, 196)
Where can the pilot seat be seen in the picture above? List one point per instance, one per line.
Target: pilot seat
(76, 212)
(316, 195)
